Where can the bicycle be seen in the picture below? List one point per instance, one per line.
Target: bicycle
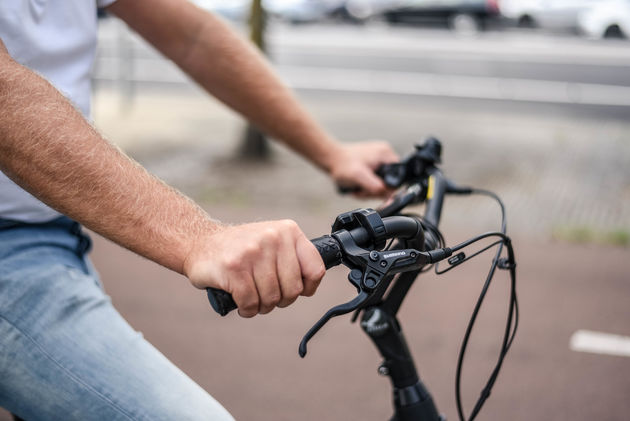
(385, 251)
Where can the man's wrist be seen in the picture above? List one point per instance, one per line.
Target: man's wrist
(328, 155)
(209, 227)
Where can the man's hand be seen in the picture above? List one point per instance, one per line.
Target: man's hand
(354, 166)
(263, 265)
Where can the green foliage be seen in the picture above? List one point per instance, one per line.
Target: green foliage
(588, 235)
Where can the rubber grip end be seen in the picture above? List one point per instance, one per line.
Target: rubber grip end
(221, 301)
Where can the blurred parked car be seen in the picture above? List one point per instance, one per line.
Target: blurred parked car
(521, 12)
(551, 14)
(302, 11)
(607, 19)
(237, 10)
(295, 11)
(363, 10)
(458, 14)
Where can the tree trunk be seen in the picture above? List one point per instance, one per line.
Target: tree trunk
(255, 144)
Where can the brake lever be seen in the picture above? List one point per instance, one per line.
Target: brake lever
(348, 307)
(371, 275)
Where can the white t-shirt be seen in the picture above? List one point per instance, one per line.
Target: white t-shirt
(57, 39)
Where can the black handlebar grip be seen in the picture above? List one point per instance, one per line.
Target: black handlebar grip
(223, 303)
(329, 249)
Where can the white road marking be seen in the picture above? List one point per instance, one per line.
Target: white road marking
(600, 343)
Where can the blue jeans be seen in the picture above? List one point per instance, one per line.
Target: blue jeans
(65, 352)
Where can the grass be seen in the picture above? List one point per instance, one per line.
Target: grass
(588, 235)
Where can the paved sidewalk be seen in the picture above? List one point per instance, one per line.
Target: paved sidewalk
(559, 168)
(555, 172)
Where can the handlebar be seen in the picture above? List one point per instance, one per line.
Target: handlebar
(358, 241)
(331, 252)
(426, 182)
(329, 249)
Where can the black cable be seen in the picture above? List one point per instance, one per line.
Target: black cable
(467, 258)
(500, 203)
(504, 239)
(469, 328)
(516, 317)
(513, 312)
(512, 318)
(507, 338)
(427, 226)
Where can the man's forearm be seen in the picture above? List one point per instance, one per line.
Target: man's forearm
(229, 68)
(245, 81)
(48, 148)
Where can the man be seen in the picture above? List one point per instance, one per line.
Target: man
(65, 353)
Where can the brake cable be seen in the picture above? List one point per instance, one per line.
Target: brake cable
(513, 312)
(413, 167)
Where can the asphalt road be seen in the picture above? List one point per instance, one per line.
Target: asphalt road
(499, 66)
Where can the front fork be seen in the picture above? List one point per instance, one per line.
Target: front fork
(412, 401)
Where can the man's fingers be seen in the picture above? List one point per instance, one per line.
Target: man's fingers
(373, 185)
(266, 279)
(369, 183)
(311, 264)
(289, 273)
(263, 265)
(358, 166)
(244, 293)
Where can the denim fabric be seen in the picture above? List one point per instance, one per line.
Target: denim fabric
(65, 352)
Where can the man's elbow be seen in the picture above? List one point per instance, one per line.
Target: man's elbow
(3, 49)
(5, 58)
(7, 68)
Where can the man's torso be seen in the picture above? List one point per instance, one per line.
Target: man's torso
(57, 39)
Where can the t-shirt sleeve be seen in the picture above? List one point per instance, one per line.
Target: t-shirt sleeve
(104, 3)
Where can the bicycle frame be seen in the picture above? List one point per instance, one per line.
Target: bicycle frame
(412, 400)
